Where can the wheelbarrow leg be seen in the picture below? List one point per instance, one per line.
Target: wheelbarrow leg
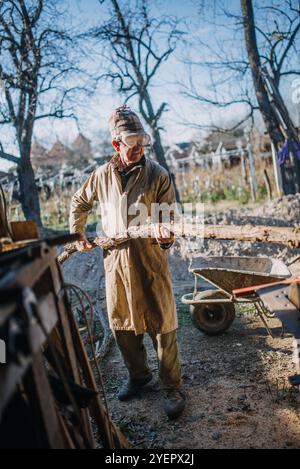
(260, 312)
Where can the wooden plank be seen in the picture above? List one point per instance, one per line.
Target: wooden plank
(62, 307)
(68, 442)
(110, 434)
(67, 341)
(66, 334)
(29, 273)
(56, 343)
(6, 310)
(68, 344)
(6, 247)
(40, 397)
(24, 230)
(48, 315)
(11, 374)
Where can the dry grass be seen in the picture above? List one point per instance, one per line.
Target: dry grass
(212, 185)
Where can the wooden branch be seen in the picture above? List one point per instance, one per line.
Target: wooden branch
(8, 157)
(291, 41)
(252, 233)
(255, 233)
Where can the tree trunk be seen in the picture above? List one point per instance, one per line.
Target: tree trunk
(157, 145)
(255, 64)
(160, 156)
(289, 171)
(150, 117)
(181, 230)
(28, 190)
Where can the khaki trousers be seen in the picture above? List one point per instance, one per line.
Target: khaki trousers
(135, 356)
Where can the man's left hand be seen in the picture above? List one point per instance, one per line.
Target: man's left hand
(163, 235)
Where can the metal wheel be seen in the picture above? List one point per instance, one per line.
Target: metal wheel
(213, 318)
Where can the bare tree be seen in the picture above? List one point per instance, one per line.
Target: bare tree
(257, 56)
(275, 114)
(136, 46)
(36, 61)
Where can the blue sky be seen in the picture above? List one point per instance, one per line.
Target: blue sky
(94, 115)
(166, 84)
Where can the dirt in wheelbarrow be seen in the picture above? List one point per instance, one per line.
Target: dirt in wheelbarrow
(236, 385)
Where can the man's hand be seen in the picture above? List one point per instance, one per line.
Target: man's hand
(84, 245)
(163, 235)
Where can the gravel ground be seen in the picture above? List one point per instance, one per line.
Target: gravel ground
(283, 211)
(236, 385)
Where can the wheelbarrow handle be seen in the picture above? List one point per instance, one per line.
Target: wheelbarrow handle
(241, 291)
(185, 299)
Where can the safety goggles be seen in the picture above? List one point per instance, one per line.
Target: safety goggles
(134, 140)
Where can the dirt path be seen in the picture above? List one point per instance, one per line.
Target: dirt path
(237, 389)
(236, 386)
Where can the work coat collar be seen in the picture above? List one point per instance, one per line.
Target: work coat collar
(136, 171)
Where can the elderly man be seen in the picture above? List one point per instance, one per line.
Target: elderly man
(138, 282)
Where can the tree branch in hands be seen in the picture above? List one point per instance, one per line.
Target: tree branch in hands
(163, 235)
(83, 245)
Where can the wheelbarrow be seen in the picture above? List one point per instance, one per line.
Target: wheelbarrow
(212, 305)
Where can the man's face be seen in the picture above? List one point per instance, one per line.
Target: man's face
(129, 154)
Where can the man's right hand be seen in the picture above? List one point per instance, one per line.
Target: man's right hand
(84, 245)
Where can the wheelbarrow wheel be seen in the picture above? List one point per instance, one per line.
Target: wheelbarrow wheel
(213, 319)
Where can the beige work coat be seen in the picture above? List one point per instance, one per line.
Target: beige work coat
(138, 281)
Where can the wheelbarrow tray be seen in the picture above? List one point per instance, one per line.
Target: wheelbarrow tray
(229, 273)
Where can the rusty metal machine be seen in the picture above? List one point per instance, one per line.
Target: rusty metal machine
(49, 396)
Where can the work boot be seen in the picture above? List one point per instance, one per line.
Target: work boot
(174, 403)
(132, 387)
